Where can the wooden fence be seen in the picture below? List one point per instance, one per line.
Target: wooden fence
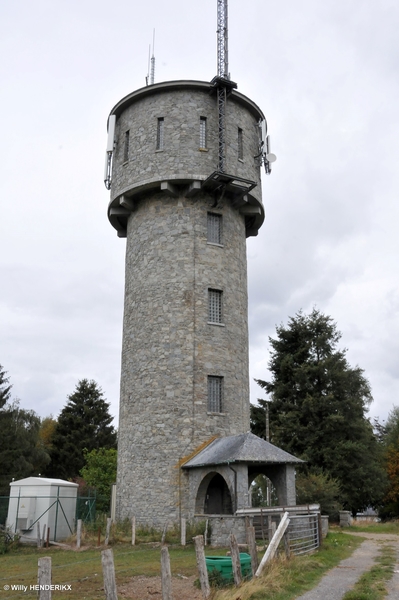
(300, 533)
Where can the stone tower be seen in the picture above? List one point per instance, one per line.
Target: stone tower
(184, 381)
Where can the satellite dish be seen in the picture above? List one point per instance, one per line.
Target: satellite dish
(271, 158)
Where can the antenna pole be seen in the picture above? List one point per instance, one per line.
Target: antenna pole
(222, 31)
(152, 78)
(222, 82)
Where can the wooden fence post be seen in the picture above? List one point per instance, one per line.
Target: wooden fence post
(44, 577)
(251, 541)
(165, 528)
(320, 529)
(166, 575)
(201, 564)
(48, 537)
(235, 559)
(272, 547)
(78, 532)
(269, 528)
(107, 561)
(183, 531)
(133, 530)
(43, 535)
(287, 544)
(39, 542)
(262, 525)
(206, 533)
(109, 521)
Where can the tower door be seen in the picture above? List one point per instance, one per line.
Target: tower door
(218, 497)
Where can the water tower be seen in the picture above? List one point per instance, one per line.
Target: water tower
(183, 167)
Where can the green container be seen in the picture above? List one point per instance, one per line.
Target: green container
(224, 565)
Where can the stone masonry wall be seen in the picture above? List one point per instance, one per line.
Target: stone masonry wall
(169, 348)
(181, 157)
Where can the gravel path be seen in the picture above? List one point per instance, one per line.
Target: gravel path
(339, 580)
(393, 585)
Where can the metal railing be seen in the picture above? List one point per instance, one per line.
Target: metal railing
(303, 533)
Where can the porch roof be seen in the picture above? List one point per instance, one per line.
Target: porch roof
(243, 448)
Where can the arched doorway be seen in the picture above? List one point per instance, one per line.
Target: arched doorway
(213, 496)
(218, 497)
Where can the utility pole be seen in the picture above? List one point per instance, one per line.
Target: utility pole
(268, 487)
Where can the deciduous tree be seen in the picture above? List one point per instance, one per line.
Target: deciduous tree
(21, 453)
(99, 472)
(389, 435)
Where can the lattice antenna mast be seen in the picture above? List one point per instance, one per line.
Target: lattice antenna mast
(222, 31)
(222, 81)
(152, 77)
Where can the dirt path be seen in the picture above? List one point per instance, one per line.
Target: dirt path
(146, 588)
(342, 578)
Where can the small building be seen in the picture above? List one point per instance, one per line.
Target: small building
(220, 475)
(49, 502)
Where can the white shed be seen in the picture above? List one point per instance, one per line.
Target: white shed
(50, 502)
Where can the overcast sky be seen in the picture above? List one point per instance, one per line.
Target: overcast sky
(324, 72)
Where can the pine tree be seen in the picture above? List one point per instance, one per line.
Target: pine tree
(84, 424)
(317, 408)
(5, 388)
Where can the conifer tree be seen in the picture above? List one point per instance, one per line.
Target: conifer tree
(317, 408)
(83, 424)
(5, 388)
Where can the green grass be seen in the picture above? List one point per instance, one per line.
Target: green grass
(282, 580)
(287, 579)
(82, 569)
(371, 527)
(371, 585)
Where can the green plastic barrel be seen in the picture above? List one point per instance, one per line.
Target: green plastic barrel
(224, 565)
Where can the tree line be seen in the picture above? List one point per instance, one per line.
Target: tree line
(317, 408)
(317, 405)
(69, 447)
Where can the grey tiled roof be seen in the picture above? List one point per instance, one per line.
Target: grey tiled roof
(244, 448)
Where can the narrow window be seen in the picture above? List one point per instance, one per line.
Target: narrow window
(214, 233)
(240, 145)
(215, 306)
(202, 132)
(126, 147)
(215, 394)
(160, 133)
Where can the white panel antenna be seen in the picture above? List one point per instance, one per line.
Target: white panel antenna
(111, 133)
(263, 128)
(109, 151)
